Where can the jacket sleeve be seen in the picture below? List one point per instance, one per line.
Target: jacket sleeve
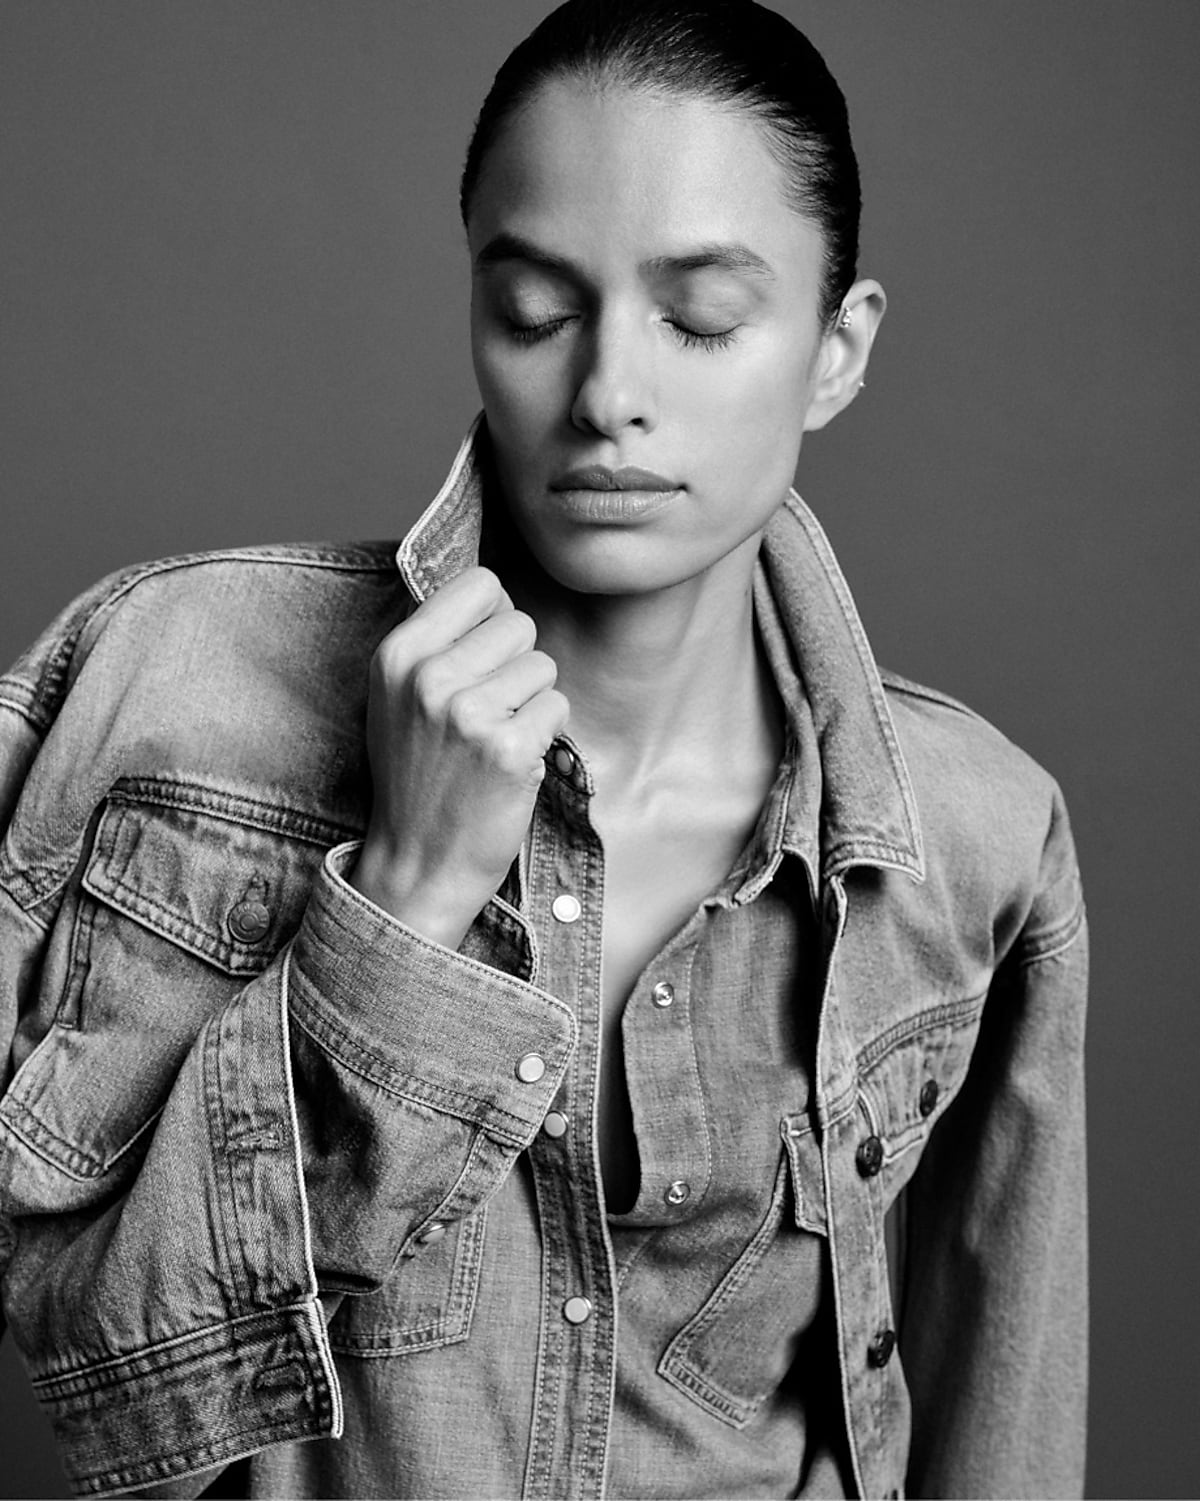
(993, 1330)
(167, 1299)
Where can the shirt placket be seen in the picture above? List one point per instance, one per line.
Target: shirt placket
(562, 899)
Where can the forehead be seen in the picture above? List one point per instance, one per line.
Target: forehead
(621, 170)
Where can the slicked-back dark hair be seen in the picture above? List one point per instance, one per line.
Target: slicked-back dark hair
(732, 52)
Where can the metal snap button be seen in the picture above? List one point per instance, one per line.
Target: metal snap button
(879, 1351)
(431, 1234)
(928, 1098)
(249, 920)
(869, 1157)
(566, 907)
(577, 1310)
(564, 761)
(663, 994)
(678, 1192)
(531, 1068)
(555, 1124)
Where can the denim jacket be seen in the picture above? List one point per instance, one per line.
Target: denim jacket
(238, 1096)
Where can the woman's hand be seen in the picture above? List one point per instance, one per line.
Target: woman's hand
(461, 709)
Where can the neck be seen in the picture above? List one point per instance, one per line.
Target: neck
(661, 685)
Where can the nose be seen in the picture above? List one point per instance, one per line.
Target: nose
(616, 386)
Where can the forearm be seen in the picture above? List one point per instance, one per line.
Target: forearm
(365, 1084)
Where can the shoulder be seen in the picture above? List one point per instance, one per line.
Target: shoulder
(942, 738)
(152, 609)
(991, 816)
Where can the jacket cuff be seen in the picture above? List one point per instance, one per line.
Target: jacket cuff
(425, 1022)
(247, 1384)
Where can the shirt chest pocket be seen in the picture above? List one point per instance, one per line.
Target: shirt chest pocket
(773, 1302)
(178, 907)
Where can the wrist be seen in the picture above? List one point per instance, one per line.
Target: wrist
(414, 902)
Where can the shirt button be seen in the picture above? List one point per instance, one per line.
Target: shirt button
(564, 761)
(663, 994)
(577, 1310)
(566, 907)
(248, 921)
(869, 1157)
(431, 1234)
(879, 1351)
(531, 1068)
(555, 1125)
(678, 1192)
(928, 1098)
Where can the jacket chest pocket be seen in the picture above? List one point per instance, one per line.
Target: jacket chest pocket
(907, 1080)
(427, 1300)
(737, 1350)
(179, 907)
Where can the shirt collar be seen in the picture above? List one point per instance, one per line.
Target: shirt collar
(818, 650)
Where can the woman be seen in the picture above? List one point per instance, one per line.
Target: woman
(541, 1142)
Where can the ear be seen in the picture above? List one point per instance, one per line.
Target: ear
(845, 350)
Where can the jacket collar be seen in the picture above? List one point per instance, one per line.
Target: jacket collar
(868, 808)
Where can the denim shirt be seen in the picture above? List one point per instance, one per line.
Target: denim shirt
(258, 1140)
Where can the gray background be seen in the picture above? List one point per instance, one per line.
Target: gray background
(234, 310)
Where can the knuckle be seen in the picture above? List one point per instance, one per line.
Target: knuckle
(512, 752)
(524, 628)
(545, 665)
(465, 716)
(430, 685)
(485, 584)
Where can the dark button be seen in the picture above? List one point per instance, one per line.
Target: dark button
(869, 1157)
(879, 1351)
(927, 1101)
(249, 921)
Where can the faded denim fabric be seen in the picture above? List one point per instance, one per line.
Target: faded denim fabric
(274, 1168)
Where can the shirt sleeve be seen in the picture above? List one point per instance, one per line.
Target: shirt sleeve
(994, 1318)
(168, 1302)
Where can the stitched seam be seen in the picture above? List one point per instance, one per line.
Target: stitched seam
(256, 813)
(438, 1097)
(1057, 940)
(944, 1014)
(81, 1374)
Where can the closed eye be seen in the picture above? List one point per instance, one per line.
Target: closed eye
(535, 333)
(692, 338)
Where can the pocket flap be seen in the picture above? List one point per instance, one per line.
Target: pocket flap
(808, 1176)
(226, 890)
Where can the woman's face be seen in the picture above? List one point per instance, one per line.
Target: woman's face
(643, 298)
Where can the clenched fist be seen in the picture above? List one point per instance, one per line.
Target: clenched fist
(461, 709)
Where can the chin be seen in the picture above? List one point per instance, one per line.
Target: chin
(614, 563)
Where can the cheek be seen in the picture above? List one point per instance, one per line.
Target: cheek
(518, 391)
(750, 417)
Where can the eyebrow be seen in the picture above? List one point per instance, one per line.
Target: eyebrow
(716, 256)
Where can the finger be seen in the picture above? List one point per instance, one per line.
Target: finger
(505, 691)
(545, 715)
(501, 638)
(470, 598)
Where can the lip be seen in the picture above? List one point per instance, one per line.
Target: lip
(599, 478)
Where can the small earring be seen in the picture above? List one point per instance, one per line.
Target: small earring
(846, 319)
